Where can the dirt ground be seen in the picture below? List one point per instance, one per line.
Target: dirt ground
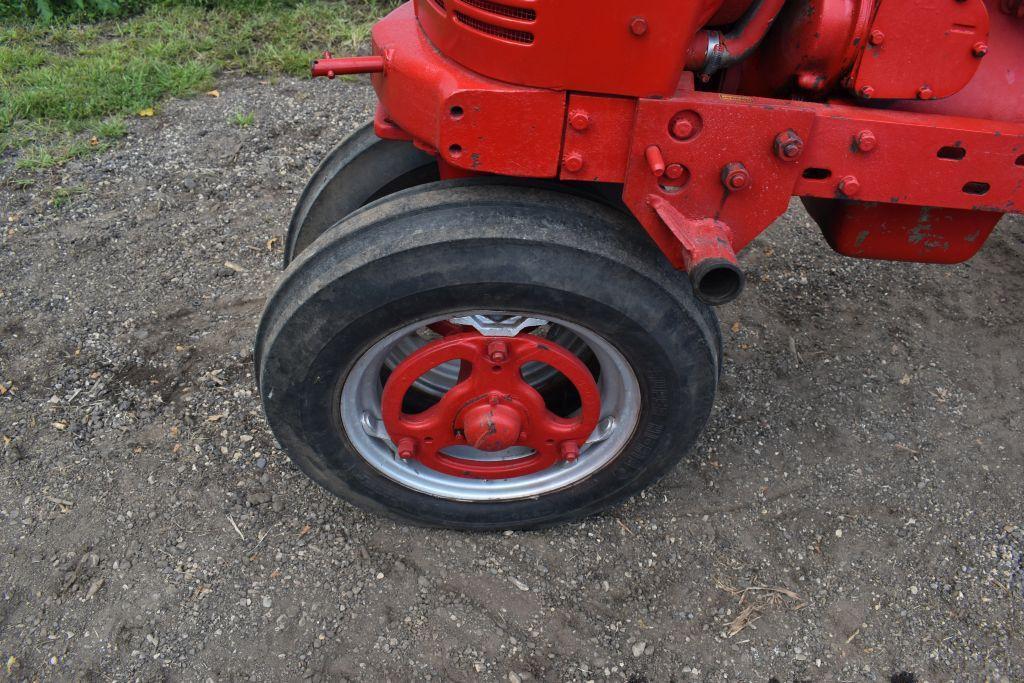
(865, 455)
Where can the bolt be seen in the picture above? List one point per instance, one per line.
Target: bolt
(979, 50)
(570, 451)
(674, 171)
(867, 92)
(925, 93)
(849, 186)
(579, 120)
(865, 141)
(655, 160)
(876, 38)
(406, 447)
(573, 162)
(809, 80)
(682, 128)
(735, 176)
(638, 26)
(497, 351)
(788, 145)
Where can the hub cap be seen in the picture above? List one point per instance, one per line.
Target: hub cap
(490, 432)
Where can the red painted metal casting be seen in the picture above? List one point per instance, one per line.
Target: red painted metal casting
(902, 122)
(922, 55)
(491, 408)
(614, 47)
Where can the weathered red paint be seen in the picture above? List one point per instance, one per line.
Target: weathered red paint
(922, 55)
(871, 108)
(491, 408)
(902, 233)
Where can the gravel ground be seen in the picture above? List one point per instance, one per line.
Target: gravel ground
(865, 459)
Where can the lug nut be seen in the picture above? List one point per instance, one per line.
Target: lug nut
(849, 186)
(788, 145)
(865, 141)
(579, 120)
(497, 351)
(573, 162)
(570, 451)
(735, 176)
(655, 160)
(406, 447)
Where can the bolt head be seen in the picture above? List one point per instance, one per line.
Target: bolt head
(979, 50)
(736, 177)
(876, 38)
(809, 80)
(788, 145)
(866, 141)
(573, 162)
(406, 447)
(570, 451)
(925, 93)
(497, 351)
(579, 120)
(638, 26)
(682, 128)
(867, 92)
(849, 186)
(674, 171)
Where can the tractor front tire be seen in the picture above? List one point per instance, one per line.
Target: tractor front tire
(473, 294)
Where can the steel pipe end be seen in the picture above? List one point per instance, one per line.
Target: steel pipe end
(717, 281)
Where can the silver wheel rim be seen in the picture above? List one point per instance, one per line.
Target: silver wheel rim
(361, 414)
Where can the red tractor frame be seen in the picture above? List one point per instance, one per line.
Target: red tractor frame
(515, 134)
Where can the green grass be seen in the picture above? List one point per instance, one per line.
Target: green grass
(243, 120)
(66, 89)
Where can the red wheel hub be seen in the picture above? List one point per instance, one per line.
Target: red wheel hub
(491, 408)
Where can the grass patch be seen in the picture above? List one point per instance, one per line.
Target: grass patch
(65, 88)
(243, 120)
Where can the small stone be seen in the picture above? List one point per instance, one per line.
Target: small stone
(638, 648)
(267, 602)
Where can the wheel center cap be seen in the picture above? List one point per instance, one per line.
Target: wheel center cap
(492, 427)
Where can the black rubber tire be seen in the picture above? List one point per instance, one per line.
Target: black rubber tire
(453, 246)
(361, 169)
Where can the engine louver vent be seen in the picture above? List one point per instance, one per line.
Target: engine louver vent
(523, 37)
(503, 10)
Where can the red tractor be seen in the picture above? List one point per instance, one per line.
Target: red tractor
(497, 311)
